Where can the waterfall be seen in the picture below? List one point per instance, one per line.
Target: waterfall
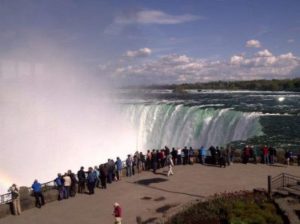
(158, 125)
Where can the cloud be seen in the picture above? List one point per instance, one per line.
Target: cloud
(175, 68)
(291, 41)
(155, 17)
(143, 52)
(253, 43)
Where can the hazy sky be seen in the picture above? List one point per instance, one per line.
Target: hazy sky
(163, 41)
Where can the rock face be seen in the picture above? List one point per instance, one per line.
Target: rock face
(289, 206)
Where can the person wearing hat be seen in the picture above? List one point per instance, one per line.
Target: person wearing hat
(117, 213)
(15, 195)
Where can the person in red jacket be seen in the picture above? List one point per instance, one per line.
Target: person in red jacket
(266, 154)
(117, 213)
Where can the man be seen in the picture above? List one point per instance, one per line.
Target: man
(81, 180)
(119, 168)
(97, 175)
(148, 160)
(117, 213)
(272, 153)
(103, 175)
(154, 160)
(246, 154)
(191, 156)
(111, 168)
(59, 182)
(91, 181)
(202, 154)
(15, 195)
(37, 192)
(186, 155)
(129, 163)
(174, 156)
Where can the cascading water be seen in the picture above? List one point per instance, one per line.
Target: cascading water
(158, 125)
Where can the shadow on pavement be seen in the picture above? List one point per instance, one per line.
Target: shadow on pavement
(148, 182)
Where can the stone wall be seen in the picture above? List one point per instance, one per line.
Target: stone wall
(28, 201)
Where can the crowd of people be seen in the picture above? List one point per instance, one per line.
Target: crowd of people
(85, 182)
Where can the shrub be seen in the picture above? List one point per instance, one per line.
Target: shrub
(234, 208)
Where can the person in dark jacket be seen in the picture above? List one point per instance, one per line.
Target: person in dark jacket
(174, 156)
(272, 154)
(103, 175)
(213, 154)
(154, 160)
(38, 194)
(110, 170)
(148, 160)
(186, 155)
(81, 180)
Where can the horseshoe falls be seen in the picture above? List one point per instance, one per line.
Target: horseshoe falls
(174, 125)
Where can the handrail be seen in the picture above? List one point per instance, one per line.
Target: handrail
(284, 180)
(290, 175)
(7, 197)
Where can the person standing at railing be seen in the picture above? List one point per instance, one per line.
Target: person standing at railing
(91, 181)
(74, 183)
(59, 182)
(129, 164)
(119, 167)
(266, 154)
(15, 196)
(67, 185)
(103, 175)
(81, 180)
(38, 194)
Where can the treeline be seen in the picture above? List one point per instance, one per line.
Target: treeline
(263, 85)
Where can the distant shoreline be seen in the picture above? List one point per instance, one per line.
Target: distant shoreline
(290, 85)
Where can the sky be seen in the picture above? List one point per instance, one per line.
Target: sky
(130, 42)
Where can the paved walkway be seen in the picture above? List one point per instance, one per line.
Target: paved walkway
(148, 195)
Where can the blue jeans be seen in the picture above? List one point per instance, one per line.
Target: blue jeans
(129, 171)
(266, 159)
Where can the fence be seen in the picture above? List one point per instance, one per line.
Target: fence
(7, 198)
(281, 181)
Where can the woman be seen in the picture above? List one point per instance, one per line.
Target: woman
(15, 195)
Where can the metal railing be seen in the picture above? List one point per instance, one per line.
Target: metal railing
(7, 197)
(281, 181)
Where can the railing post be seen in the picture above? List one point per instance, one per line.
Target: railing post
(270, 186)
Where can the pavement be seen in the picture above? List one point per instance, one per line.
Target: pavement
(149, 197)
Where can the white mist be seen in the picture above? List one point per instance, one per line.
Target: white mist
(54, 118)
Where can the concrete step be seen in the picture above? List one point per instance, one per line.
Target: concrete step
(281, 192)
(296, 187)
(292, 191)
